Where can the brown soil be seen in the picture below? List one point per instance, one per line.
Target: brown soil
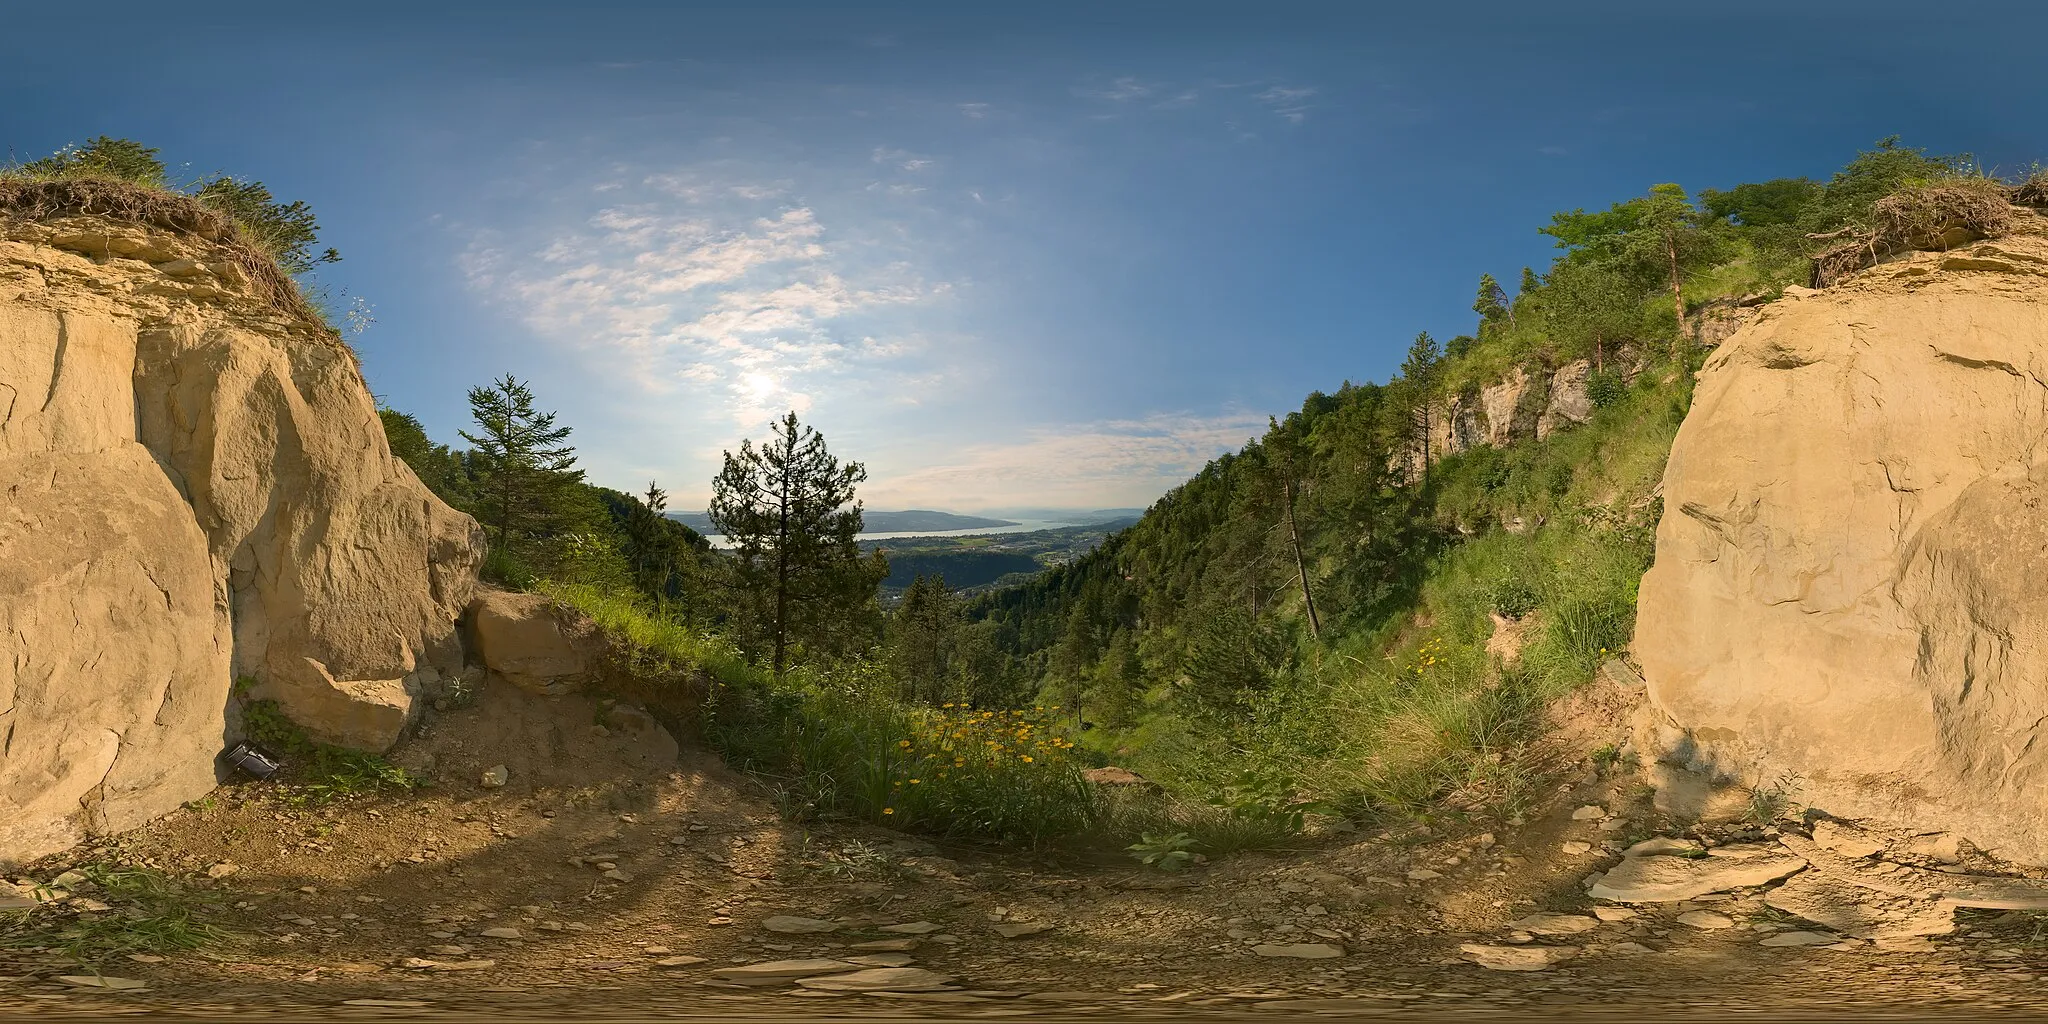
(326, 905)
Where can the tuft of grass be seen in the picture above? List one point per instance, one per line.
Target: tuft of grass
(36, 197)
(319, 773)
(151, 914)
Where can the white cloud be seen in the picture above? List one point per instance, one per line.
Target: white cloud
(974, 110)
(741, 305)
(1107, 463)
(902, 158)
(1289, 103)
(1120, 90)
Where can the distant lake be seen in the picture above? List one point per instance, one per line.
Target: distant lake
(1023, 526)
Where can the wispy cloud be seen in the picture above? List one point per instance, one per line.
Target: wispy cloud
(1112, 462)
(745, 308)
(974, 110)
(1118, 90)
(903, 159)
(1291, 103)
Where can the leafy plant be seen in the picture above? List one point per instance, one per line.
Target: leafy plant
(1166, 853)
(1265, 798)
(1513, 597)
(1606, 388)
(1768, 801)
(320, 773)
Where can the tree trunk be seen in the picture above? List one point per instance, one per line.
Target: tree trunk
(782, 574)
(1677, 297)
(1315, 628)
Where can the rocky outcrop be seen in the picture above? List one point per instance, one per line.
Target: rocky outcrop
(1530, 403)
(1569, 403)
(1846, 605)
(534, 643)
(197, 488)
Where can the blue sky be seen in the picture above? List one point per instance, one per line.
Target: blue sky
(1007, 255)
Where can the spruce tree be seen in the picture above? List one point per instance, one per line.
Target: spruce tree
(1492, 303)
(922, 634)
(525, 470)
(788, 509)
(1419, 371)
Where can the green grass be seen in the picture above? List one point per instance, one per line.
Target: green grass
(151, 914)
(317, 773)
(654, 645)
(1410, 716)
(836, 743)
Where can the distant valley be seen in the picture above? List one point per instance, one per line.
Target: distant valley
(878, 521)
(984, 561)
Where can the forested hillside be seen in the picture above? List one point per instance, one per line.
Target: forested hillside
(1313, 612)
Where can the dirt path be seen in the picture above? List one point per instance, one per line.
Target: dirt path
(590, 889)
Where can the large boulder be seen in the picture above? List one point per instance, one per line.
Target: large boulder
(532, 642)
(196, 487)
(1846, 606)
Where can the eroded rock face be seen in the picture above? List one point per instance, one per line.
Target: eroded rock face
(1846, 602)
(193, 486)
(533, 643)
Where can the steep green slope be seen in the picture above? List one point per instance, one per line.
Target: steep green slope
(1311, 615)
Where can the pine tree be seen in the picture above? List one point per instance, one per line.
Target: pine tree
(922, 634)
(525, 472)
(1286, 459)
(1419, 371)
(788, 508)
(1492, 304)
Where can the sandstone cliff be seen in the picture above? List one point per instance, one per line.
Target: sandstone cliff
(194, 487)
(1847, 599)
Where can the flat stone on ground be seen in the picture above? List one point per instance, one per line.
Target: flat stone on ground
(1997, 893)
(1554, 924)
(1845, 840)
(1660, 845)
(1800, 939)
(883, 960)
(887, 945)
(787, 925)
(1516, 958)
(781, 969)
(1299, 950)
(1021, 929)
(1852, 909)
(911, 928)
(1706, 920)
(880, 979)
(1658, 879)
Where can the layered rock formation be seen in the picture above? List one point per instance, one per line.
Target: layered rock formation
(196, 488)
(1847, 602)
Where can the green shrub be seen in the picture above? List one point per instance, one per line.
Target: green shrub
(1513, 597)
(319, 773)
(1606, 388)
